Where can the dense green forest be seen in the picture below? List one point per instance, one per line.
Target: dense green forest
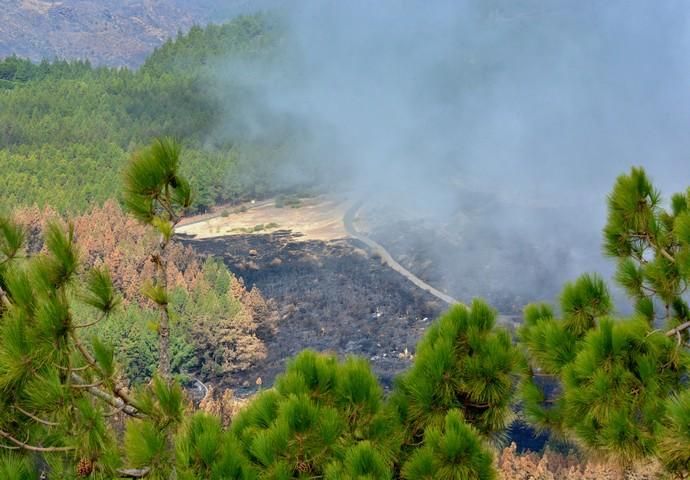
(67, 128)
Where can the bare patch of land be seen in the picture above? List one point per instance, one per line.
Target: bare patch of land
(316, 218)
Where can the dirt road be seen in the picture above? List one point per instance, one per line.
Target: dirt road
(378, 249)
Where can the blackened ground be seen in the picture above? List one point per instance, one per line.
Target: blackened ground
(331, 296)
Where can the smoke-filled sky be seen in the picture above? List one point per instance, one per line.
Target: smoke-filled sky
(543, 103)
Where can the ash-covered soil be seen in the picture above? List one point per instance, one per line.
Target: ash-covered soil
(331, 296)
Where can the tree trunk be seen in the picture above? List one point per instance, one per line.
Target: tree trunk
(164, 325)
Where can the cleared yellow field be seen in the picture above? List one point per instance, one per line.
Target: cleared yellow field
(317, 218)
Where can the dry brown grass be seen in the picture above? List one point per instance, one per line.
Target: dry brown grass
(223, 404)
(555, 466)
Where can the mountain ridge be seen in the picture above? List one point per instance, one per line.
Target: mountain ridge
(105, 32)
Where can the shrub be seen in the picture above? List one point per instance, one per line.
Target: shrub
(318, 411)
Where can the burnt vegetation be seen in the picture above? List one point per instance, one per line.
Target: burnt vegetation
(330, 296)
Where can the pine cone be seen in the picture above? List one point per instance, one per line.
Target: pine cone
(84, 468)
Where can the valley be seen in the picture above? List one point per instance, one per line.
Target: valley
(253, 239)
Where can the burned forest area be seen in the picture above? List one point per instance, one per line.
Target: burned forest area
(330, 296)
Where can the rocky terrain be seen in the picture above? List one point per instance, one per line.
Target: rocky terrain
(106, 32)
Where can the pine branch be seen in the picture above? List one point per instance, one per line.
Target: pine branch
(90, 324)
(667, 255)
(115, 412)
(117, 390)
(88, 385)
(678, 329)
(646, 236)
(73, 369)
(133, 472)
(34, 417)
(5, 299)
(33, 448)
(129, 408)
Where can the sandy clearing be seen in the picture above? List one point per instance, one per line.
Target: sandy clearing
(317, 218)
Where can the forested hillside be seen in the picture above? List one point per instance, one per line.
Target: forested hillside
(66, 128)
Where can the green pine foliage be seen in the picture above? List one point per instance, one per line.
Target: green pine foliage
(618, 386)
(362, 462)
(614, 384)
(249, 35)
(674, 443)
(205, 450)
(614, 391)
(147, 440)
(156, 194)
(552, 343)
(318, 411)
(62, 121)
(651, 246)
(453, 451)
(463, 362)
(46, 371)
(16, 467)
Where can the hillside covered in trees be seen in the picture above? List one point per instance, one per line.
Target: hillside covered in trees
(67, 127)
(108, 322)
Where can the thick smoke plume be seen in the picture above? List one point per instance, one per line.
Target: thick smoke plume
(523, 111)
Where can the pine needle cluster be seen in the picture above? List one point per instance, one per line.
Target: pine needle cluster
(464, 362)
(321, 416)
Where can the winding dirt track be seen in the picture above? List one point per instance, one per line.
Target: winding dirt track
(348, 221)
(377, 248)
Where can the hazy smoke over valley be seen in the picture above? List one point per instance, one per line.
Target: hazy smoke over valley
(506, 119)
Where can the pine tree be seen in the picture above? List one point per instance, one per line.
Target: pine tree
(58, 390)
(55, 388)
(651, 247)
(157, 195)
(315, 416)
(463, 362)
(552, 343)
(618, 386)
